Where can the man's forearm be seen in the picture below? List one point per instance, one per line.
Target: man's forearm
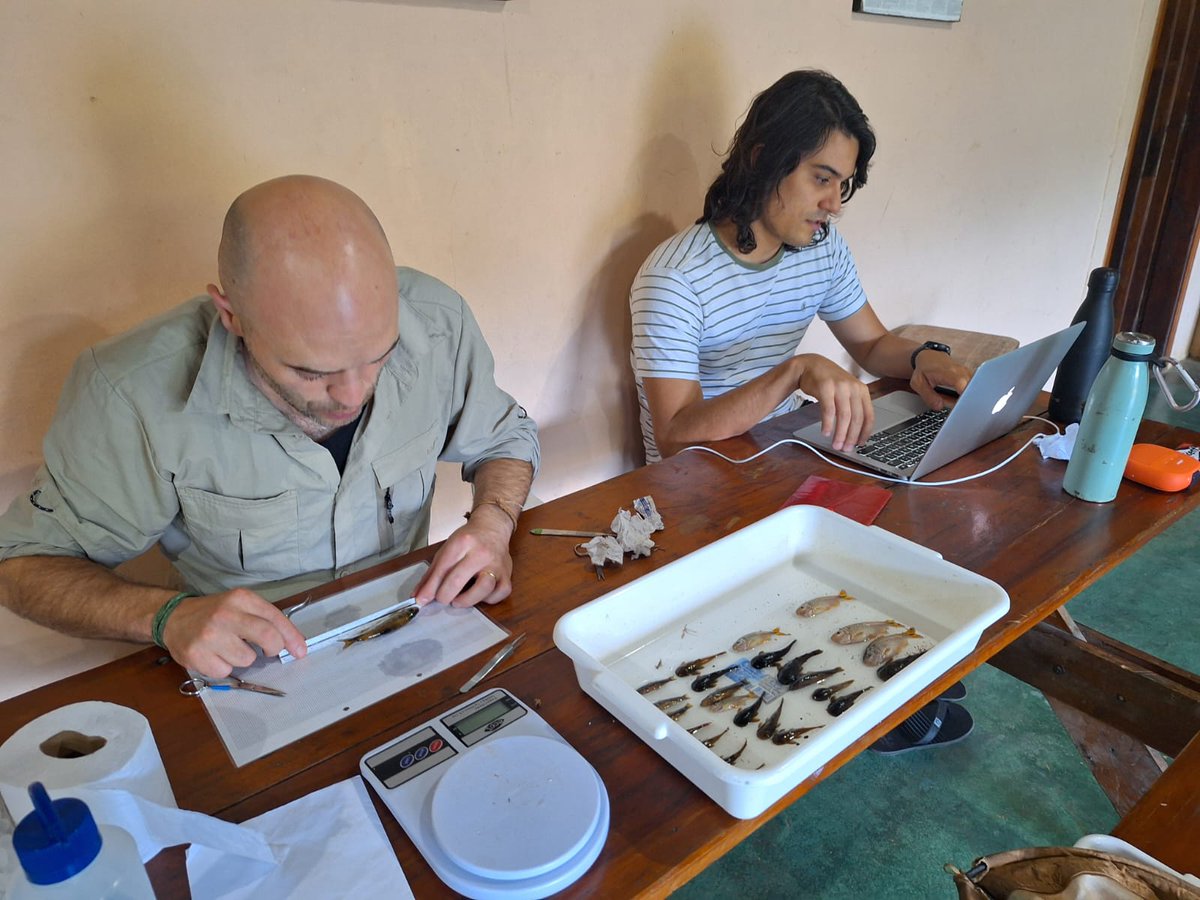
(729, 414)
(503, 483)
(79, 597)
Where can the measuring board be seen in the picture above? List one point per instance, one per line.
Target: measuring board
(498, 803)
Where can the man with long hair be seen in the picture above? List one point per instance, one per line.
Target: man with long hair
(720, 308)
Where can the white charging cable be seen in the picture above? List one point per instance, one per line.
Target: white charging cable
(867, 472)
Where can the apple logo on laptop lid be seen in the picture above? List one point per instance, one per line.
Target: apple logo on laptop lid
(1002, 402)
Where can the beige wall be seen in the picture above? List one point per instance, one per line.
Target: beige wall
(531, 153)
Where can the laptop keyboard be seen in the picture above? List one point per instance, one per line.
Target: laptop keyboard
(903, 445)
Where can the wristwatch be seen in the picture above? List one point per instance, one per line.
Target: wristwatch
(928, 345)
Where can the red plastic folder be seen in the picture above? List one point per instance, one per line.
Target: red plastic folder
(860, 502)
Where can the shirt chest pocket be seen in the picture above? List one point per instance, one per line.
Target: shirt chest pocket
(257, 538)
(404, 480)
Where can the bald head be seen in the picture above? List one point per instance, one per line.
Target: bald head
(281, 222)
(308, 282)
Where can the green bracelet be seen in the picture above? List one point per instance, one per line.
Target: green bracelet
(160, 617)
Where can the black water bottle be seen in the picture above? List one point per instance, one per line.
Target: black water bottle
(1080, 366)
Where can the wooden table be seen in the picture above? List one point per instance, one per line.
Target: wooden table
(1015, 526)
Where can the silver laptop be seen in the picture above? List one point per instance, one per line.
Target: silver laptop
(911, 440)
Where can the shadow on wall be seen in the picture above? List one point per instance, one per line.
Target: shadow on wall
(684, 114)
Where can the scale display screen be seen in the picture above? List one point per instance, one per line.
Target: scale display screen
(475, 722)
(406, 760)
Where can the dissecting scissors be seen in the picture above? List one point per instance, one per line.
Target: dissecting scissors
(196, 685)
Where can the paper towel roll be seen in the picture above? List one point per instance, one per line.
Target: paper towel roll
(128, 758)
(105, 755)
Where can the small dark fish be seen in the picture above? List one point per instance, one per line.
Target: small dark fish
(863, 631)
(807, 678)
(704, 682)
(385, 626)
(670, 701)
(691, 668)
(886, 648)
(818, 605)
(677, 714)
(791, 669)
(767, 729)
(839, 705)
(791, 735)
(651, 686)
(823, 694)
(696, 728)
(749, 714)
(721, 693)
(711, 742)
(770, 657)
(755, 639)
(891, 667)
(733, 757)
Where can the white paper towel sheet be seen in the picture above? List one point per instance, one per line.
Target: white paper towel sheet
(122, 780)
(330, 844)
(333, 682)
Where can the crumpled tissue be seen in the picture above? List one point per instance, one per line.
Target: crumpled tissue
(1057, 446)
(633, 533)
(604, 549)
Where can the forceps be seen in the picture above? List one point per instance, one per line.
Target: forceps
(196, 685)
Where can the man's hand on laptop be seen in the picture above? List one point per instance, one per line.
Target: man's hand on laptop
(939, 371)
(847, 416)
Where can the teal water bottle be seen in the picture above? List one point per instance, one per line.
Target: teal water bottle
(1110, 419)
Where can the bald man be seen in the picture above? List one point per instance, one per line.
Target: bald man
(277, 433)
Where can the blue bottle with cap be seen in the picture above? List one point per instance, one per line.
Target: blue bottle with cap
(1111, 418)
(66, 855)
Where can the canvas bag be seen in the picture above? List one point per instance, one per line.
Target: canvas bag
(1066, 873)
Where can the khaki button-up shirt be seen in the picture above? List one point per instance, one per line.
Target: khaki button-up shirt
(161, 437)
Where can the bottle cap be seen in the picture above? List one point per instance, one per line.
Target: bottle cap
(57, 840)
(1133, 342)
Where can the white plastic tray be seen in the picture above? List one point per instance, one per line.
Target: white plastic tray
(753, 580)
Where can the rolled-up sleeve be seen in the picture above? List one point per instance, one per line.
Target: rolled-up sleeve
(98, 493)
(488, 423)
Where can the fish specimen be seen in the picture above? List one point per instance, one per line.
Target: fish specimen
(670, 701)
(792, 735)
(839, 705)
(696, 728)
(733, 757)
(770, 657)
(823, 694)
(791, 669)
(807, 678)
(890, 668)
(768, 728)
(691, 668)
(711, 742)
(749, 714)
(651, 686)
(886, 648)
(721, 693)
(734, 701)
(818, 605)
(677, 714)
(384, 626)
(863, 631)
(755, 639)
(704, 682)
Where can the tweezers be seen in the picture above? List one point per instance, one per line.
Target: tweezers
(503, 654)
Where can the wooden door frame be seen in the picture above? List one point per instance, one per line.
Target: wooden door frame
(1157, 224)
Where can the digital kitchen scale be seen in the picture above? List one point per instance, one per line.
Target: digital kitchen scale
(498, 803)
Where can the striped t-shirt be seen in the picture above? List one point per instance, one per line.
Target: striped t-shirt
(700, 314)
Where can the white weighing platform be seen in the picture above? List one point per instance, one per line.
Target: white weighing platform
(498, 803)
